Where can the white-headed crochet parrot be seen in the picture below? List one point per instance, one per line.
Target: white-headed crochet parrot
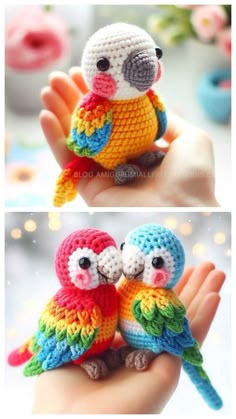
(152, 318)
(121, 116)
(79, 322)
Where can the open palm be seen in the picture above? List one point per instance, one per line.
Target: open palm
(69, 390)
(185, 177)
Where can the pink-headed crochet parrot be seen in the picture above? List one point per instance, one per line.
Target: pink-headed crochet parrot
(121, 116)
(79, 322)
(152, 319)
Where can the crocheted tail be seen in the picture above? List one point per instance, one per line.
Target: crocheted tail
(202, 382)
(20, 355)
(66, 185)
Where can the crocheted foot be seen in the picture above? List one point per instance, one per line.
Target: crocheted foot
(140, 359)
(112, 359)
(125, 173)
(151, 158)
(95, 368)
(124, 351)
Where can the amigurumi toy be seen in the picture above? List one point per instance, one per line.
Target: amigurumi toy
(79, 322)
(121, 116)
(152, 318)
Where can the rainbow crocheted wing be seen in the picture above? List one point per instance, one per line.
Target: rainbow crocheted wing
(160, 112)
(91, 126)
(66, 330)
(162, 315)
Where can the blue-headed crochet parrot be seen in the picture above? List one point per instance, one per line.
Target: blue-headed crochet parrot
(152, 319)
(119, 119)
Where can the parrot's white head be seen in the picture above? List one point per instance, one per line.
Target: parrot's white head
(121, 61)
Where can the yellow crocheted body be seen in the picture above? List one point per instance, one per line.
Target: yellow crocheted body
(128, 291)
(134, 128)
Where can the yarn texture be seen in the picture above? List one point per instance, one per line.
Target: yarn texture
(151, 317)
(121, 116)
(80, 320)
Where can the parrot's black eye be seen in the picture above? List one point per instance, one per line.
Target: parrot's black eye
(84, 263)
(122, 246)
(103, 64)
(159, 52)
(158, 262)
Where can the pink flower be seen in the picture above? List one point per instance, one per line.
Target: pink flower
(224, 41)
(35, 39)
(207, 21)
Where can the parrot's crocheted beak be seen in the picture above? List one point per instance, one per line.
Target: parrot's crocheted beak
(109, 265)
(140, 69)
(136, 272)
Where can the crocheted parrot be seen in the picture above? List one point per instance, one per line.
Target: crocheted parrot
(119, 119)
(80, 320)
(152, 318)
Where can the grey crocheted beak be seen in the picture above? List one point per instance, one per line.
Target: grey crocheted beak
(139, 70)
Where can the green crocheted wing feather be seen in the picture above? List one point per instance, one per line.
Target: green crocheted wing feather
(157, 309)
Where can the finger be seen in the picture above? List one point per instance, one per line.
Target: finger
(54, 103)
(212, 283)
(184, 279)
(147, 391)
(176, 126)
(64, 381)
(55, 137)
(100, 191)
(77, 76)
(195, 281)
(66, 88)
(202, 320)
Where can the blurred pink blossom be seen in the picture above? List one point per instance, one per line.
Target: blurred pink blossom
(35, 39)
(224, 41)
(208, 20)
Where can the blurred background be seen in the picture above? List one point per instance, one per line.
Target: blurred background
(196, 84)
(31, 242)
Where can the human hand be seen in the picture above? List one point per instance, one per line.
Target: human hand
(69, 390)
(184, 178)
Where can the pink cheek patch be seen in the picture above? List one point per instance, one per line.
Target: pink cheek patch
(82, 279)
(104, 85)
(159, 71)
(160, 277)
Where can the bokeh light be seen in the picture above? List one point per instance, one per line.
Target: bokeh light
(16, 233)
(171, 223)
(219, 237)
(30, 226)
(199, 249)
(54, 221)
(185, 229)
